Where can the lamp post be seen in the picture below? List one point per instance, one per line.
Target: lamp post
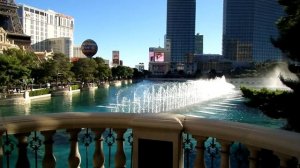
(9, 80)
(24, 81)
(57, 75)
(32, 81)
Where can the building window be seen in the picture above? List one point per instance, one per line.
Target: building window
(51, 19)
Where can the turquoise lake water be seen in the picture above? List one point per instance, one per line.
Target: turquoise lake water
(136, 98)
(227, 106)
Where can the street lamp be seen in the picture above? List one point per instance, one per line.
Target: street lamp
(32, 80)
(57, 75)
(24, 81)
(9, 80)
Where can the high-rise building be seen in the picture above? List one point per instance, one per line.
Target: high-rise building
(77, 52)
(198, 44)
(248, 26)
(140, 67)
(10, 22)
(46, 24)
(60, 45)
(181, 17)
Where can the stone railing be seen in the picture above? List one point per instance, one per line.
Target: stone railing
(158, 140)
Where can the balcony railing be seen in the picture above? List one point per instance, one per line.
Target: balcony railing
(157, 140)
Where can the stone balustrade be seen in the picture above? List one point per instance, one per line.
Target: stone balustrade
(158, 128)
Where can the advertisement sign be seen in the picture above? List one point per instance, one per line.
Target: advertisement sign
(116, 57)
(159, 56)
(151, 56)
(156, 54)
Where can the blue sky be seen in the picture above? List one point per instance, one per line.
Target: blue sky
(132, 26)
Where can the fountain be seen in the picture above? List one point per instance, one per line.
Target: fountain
(214, 98)
(166, 96)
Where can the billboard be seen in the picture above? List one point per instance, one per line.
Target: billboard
(159, 56)
(116, 57)
(156, 55)
(151, 56)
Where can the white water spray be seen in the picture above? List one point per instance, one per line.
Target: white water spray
(167, 96)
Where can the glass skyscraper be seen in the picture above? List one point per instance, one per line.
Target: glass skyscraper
(181, 15)
(248, 26)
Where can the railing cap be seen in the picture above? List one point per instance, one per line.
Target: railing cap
(161, 121)
(285, 142)
(280, 141)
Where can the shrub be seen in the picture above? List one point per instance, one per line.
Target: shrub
(75, 87)
(39, 92)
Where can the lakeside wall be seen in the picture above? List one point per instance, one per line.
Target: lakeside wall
(24, 98)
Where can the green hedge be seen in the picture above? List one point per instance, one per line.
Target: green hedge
(262, 94)
(275, 104)
(75, 87)
(39, 92)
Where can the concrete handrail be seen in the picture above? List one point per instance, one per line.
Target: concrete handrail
(279, 141)
(69, 120)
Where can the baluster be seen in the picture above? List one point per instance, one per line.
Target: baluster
(283, 159)
(200, 148)
(22, 161)
(98, 153)
(110, 140)
(35, 143)
(253, 156)
(49, 160)
(188, 148)
(74, 156)
(120, 158)
(1, 149)
(86, 139)
(130, 141)
(225, 149)
(213, 151)
(7, 148)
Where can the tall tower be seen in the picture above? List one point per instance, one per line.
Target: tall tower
(248, 26)
(9, 19)
(198, 44)
(10, 22)
(181, 17)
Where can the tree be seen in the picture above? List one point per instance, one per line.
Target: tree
(85, 69)
(99, 60)
(128, 72)
(288, 42)
(15, 67)
(44, 73)
(116, 71)
(56, 69)
(289, 26)
(103, 70)
(122, 72)
(289, 35)
(137, 74)
(63, 66)
(28, 59)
